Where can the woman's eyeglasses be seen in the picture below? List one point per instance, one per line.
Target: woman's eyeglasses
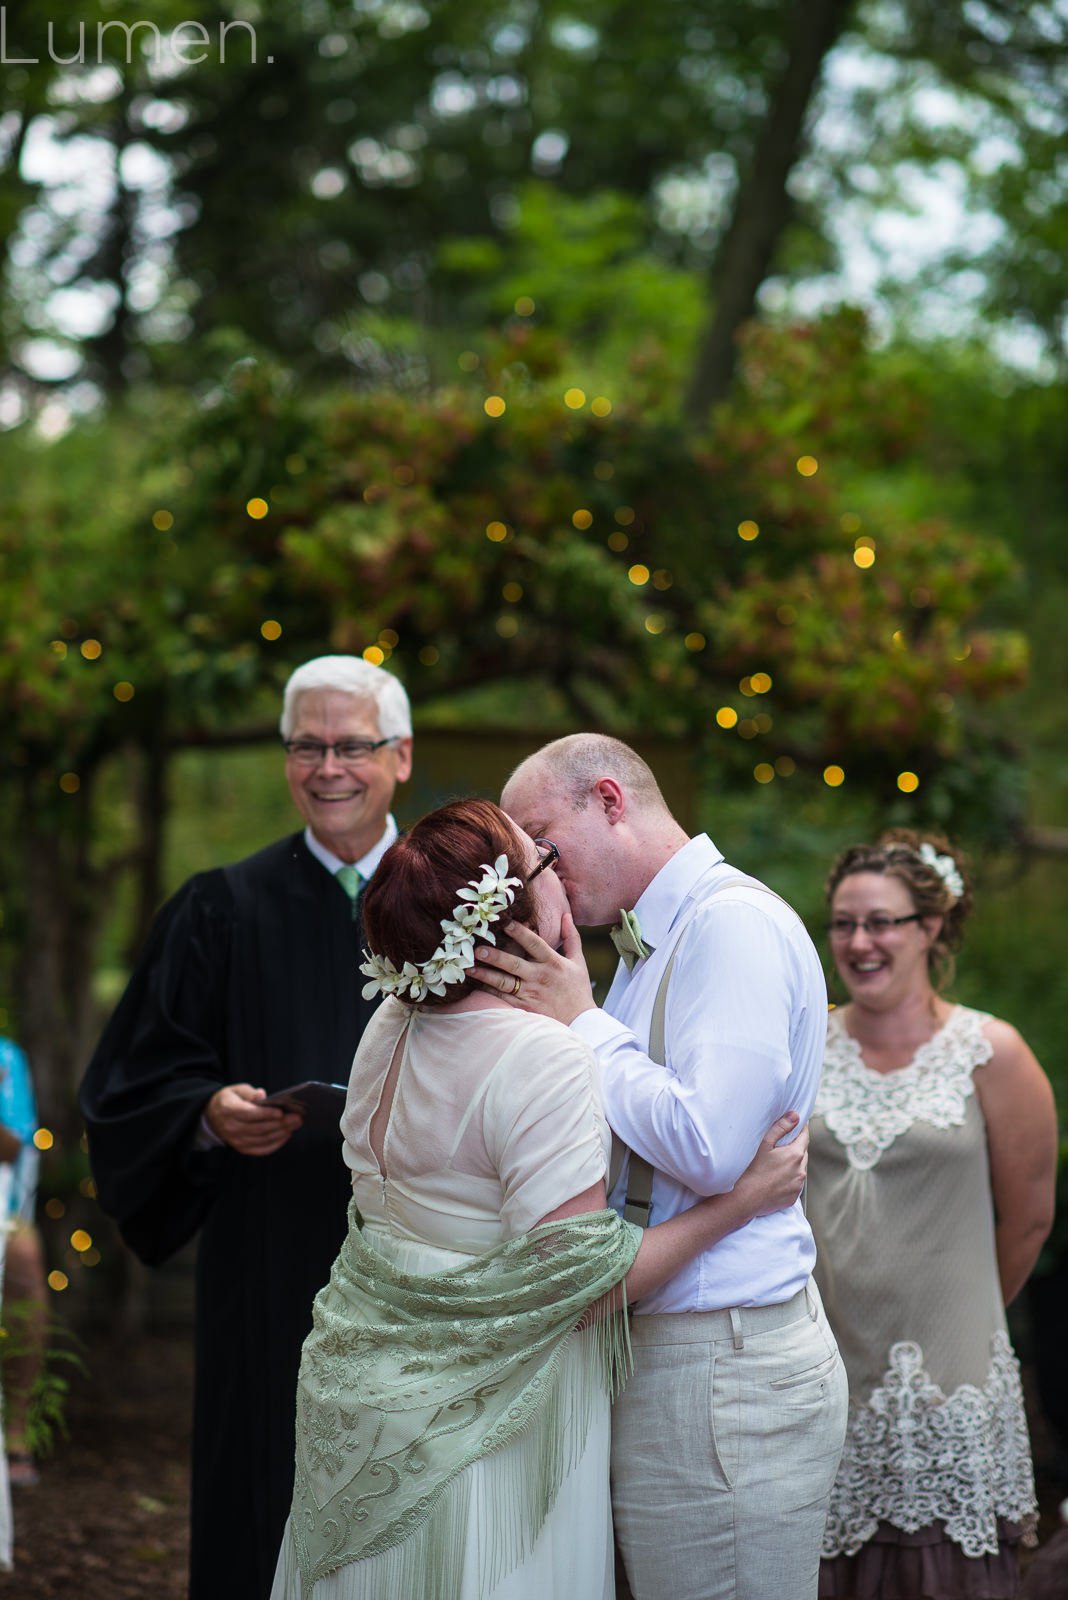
(877, 923)
(548, 856)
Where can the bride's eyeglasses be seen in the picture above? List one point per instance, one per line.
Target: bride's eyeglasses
(548, 856)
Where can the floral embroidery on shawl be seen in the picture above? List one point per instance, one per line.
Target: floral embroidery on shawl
(406, 1379)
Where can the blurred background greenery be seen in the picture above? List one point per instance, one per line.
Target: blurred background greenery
(695, 372)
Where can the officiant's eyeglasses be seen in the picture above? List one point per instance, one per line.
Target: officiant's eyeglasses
(548, 856)
(310, 752)
(879, 922)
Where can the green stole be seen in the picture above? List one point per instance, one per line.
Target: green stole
(407, 1379)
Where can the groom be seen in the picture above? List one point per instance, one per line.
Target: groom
(727, 1439)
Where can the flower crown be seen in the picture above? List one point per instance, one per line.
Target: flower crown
(946, 868)
(481, 902)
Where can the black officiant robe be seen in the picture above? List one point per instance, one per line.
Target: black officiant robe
(250, 975)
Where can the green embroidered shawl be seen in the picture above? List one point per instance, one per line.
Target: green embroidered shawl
(407, 1379)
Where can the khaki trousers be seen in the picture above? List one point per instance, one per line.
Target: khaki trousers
(725, 1445)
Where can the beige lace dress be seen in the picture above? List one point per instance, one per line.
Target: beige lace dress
(935, 1483)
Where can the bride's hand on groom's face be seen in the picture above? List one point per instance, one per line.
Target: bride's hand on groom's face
(550, 982)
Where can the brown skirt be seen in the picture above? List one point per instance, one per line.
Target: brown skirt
(923, 1566)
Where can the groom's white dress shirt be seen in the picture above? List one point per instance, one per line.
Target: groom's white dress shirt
(745, 1027)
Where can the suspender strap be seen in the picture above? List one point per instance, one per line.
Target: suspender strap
(639, 1201)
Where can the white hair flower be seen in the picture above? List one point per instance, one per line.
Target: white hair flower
(946, 868)
(481, 902)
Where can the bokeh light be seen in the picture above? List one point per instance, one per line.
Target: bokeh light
(833, 777)
(257, 508)
(494, 406)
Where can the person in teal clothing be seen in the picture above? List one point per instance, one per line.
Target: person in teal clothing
(25, 1289)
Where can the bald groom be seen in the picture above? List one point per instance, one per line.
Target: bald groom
(727, 1439)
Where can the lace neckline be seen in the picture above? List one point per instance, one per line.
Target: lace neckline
(848, 1045)
(867, 1110)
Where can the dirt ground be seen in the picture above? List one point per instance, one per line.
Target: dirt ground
(108, 1519)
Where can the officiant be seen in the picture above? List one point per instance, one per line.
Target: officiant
(248, 985)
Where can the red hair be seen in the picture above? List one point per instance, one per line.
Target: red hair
(416, 885)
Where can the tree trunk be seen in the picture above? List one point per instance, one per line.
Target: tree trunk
(762, 202)
(64, 911)
(151, 790)
(111, 261)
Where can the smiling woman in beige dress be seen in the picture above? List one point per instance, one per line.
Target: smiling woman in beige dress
(930, 1193)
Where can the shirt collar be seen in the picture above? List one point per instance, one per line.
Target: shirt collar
(366, 864)
(661, 900)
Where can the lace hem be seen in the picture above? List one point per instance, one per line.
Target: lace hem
(866, 1111)
(912, 1457)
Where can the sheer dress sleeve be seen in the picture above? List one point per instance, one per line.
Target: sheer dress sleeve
(543, 1124)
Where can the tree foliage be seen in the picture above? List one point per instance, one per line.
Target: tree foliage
(346, 151)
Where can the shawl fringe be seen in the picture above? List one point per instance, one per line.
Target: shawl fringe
(535, 1431)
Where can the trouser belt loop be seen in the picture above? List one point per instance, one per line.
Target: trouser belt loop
(811, 1302)
(736, 1328)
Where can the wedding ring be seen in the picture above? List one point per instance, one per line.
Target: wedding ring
(515, 987)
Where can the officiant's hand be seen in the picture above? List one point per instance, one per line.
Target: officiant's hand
(236, 1116)
(553, 983)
